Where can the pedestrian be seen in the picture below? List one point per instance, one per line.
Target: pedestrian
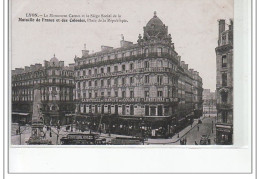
(198, 128)
(185, 139)
(178, 135)
(209, 141)
(50, 134)
(196, 143)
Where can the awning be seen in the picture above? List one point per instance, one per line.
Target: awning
(181, 119)
(21, 114)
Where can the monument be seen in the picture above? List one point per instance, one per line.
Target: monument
(37, 121)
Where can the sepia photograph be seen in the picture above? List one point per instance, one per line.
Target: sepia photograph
(109, 76)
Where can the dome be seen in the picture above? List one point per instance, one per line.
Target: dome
(155, 28)
(54, 60)
(155, 21)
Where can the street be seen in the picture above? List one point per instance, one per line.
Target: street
(190, 133)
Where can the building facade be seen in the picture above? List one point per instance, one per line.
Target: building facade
(224, 59)
(143, 85)
(209, 102)
(56, 83)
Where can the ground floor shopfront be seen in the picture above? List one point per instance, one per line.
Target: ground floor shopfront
(224, 134)
(151, 127)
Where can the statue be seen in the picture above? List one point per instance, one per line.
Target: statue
(37, 120)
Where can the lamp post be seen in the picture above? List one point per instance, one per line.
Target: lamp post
(142, 127)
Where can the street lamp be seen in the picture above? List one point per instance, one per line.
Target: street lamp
(143, 127)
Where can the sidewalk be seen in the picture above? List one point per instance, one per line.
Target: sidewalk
(175, 138)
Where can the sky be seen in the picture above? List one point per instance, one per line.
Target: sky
(193, 25)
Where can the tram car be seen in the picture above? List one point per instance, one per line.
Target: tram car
(82, 139)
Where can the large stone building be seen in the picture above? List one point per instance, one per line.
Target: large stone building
(143, 85)
(224, 53)
(56, 83)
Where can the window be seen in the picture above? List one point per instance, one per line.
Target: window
(131, 110)
(102, 94)
(123, 55)
(108, 93)
(84, 84)
(115, 68)
(95, 82)
(89, 83)
(224, 116)
(108, 82)
(146, 64)
(84, 73)
(146, 79)
(53, 72)
(146, 94)
(153, 110)
(78, 95)
(89, 72)
(95, 71)
(131, 80)
(102, 70)
(159, 93)
(115, 81)
(146, 52)
(131, 66)
(78, 73)
(53, 80)
(131, 94)
(224, 97)
(159, 111)
(123, 94)
(116, 93)
(159, 79)
(159, 51)
(147, 110)
(96, 94)
(224, 79)
(131, 53)
(123, 67)
(89, 95)
(108, 69)
(123, 81)
(84, 95)
(224, 61)
(115, 56)
(102, 83)
(108, 57)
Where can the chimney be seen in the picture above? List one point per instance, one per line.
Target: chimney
(46, 63)
(32, 67)
(61, 63)
(182, 64)
(106, 48)
(27, 68)
(38, 66)
(85, 52)
(231, 24)
(221, 28)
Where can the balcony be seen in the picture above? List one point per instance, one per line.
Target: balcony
(224, 106)
(126, 59)
(136, 100)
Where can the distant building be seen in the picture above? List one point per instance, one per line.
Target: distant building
(224, 53)
(56, 83)
(140, 84)
(209, 102)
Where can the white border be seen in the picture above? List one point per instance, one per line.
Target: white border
(155, 160)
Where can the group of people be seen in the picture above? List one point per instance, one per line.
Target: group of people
(183, 141)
